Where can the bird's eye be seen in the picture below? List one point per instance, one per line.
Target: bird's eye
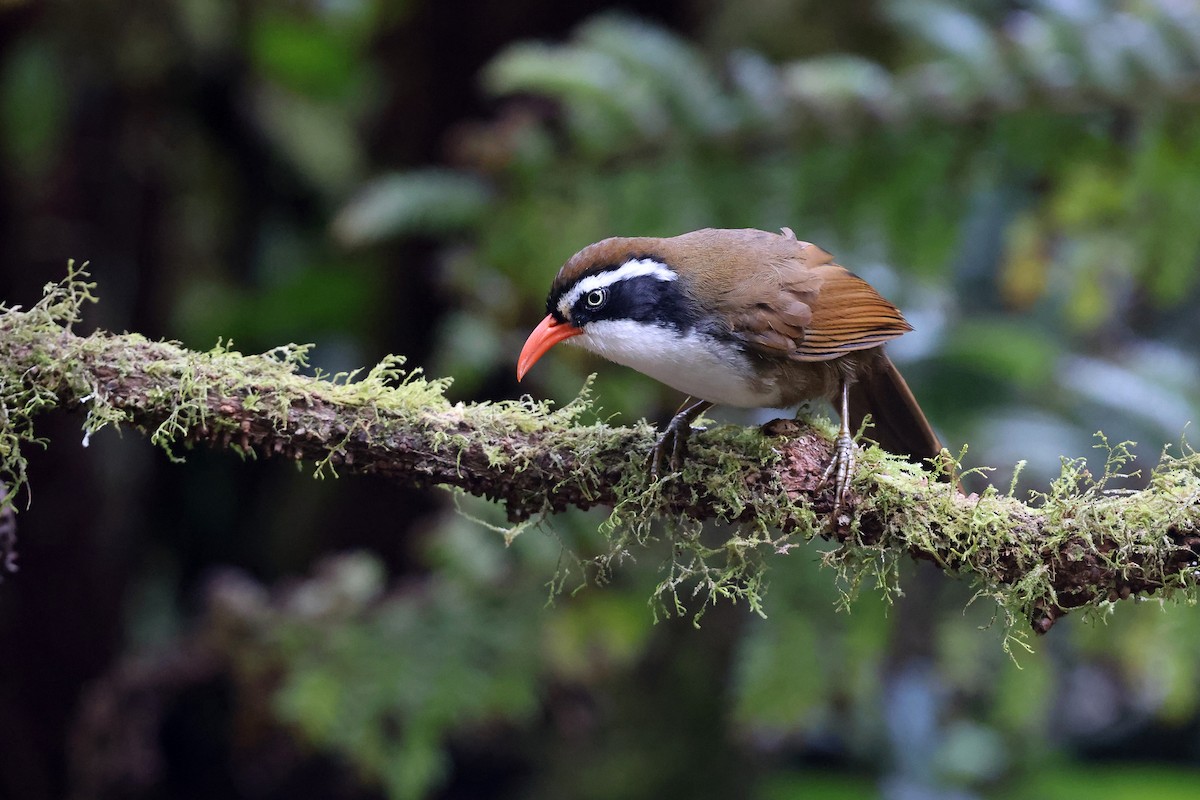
(595, 298)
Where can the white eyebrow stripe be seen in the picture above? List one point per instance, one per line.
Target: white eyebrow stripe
(634, 268)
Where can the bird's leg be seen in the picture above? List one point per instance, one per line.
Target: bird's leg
(671, 449)
(841, 467)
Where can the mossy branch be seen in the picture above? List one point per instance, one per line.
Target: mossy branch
(1080, 545)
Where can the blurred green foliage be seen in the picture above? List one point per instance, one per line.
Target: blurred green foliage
(1021, 178)
(1033, 182)
(1023, 201)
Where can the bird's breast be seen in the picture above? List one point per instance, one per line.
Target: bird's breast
(692, 362)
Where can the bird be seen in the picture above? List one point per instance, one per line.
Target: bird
(745, 318)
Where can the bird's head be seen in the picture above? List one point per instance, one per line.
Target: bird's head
(620, 288)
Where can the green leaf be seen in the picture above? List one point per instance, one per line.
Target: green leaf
(430, 201)
(675, 72)
(32, 106)
(304, 55)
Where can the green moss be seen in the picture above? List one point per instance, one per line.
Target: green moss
(1006, 548)
(706, 565)
(21, 401)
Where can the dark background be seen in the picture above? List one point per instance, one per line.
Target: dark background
(1023, 179)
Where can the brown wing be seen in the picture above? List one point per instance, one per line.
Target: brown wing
(817, 313)
(849, 315)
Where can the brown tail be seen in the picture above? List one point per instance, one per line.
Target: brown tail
(898, 423)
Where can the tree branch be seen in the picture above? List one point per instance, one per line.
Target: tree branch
(1081, 546)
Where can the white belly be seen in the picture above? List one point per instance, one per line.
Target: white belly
(701, 366)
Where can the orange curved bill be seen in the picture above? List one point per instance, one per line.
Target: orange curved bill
(548, 333)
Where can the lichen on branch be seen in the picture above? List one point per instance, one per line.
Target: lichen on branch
(1080, 545)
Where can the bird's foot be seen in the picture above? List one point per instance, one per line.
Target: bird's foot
(670, 451)
(840, 469)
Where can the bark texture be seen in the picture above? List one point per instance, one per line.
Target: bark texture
(1081, 546)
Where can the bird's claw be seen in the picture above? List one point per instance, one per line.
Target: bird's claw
(670, 451)
(840, 468)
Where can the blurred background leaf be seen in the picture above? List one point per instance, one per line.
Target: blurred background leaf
(406, 176)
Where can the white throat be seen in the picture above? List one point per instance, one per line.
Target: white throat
(693, 363)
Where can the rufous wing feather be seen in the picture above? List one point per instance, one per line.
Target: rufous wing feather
(825, 312)
(850, 316)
